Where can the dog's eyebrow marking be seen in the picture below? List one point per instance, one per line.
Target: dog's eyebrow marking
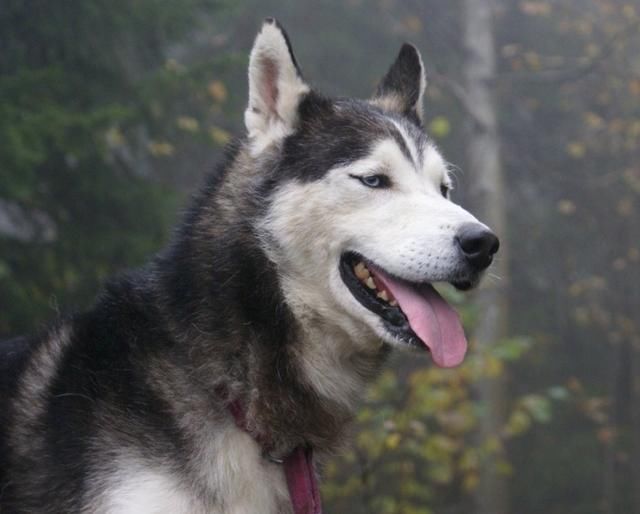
(400, 141)
(407, 144)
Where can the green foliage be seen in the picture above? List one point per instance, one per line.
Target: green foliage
(78, 82)
(416, 441)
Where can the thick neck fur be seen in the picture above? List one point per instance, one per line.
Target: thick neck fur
(299, 378)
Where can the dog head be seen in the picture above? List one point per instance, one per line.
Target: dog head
(359, 221)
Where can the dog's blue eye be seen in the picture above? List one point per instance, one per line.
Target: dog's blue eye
(371, 180)
(374, 181)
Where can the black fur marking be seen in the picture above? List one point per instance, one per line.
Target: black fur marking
(420, 139)
(397, 136)
(337, 133)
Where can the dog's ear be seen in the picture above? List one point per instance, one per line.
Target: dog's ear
(402, 88)
(275, 86)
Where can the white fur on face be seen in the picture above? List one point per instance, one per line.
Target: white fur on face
(408, 230)
(275, 89)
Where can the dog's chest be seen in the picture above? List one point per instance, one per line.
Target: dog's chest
(232, 478)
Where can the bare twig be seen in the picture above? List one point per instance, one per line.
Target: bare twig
(562, 75)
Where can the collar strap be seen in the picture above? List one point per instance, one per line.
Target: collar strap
(298, 468)
(302, 481)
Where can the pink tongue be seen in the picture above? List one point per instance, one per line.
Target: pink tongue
(432, 319)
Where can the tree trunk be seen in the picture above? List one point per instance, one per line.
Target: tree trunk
(632, 339)
(487, 200)
(635, 424)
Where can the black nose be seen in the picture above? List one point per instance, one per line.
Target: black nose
(478, 245)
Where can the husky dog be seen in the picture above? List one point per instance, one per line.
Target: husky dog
(305, 258)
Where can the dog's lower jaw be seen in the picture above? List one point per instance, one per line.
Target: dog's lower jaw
(336, 368)
(336, 354)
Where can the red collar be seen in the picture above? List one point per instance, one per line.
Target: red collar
(298, 469)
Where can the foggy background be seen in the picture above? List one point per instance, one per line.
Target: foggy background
(112, 111)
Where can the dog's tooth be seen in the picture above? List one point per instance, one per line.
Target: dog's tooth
(361, 271)
(383, 295)
(370, 283)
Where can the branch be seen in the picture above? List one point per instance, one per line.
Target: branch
(562, 75)
(459, 93)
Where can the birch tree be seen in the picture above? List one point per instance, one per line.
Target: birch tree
(486, 190)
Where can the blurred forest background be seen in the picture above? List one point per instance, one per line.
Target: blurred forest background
(111, 111)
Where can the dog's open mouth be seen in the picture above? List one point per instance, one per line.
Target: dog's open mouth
(413, 313)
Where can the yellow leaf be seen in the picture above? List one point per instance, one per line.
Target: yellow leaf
(574, 385)
(606, 435)
(448, 444)
(493, 367)
(616, 125)
(469, 460)
(217, 90)
(592, 50)
(114, 137)
(576, 149)
(160, 148)
(219, 136)
(535, 8)
(518, 423)
(470, 482)
(392, 441)
(581, 316)
(439, 127)
(566, 207)
(504, 468)
(625, 206)
(173, 66)
(533, 60)
(441, 472)
(188, 124)
(619, 264)
(492, 445)
(634, 129)
(629, 11)
(632, 179)
(413, 24)
(593, 120)
(576, 289)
